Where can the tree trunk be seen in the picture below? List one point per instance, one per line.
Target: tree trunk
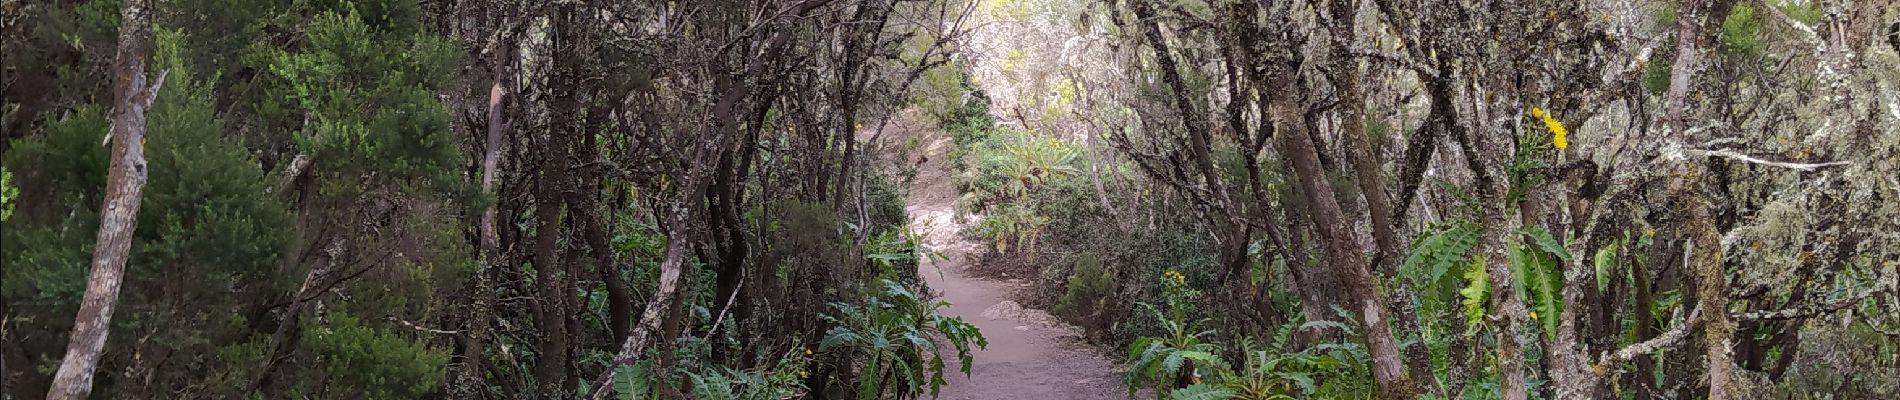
(686, 208)
(1342, 251)
(466, 375)
(289, 333)
(118, 217)
(551, 306)
(1508, 310)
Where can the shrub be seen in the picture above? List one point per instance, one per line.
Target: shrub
(1089, 293)
(362, 362)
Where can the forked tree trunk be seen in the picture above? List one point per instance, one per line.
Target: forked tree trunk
(1341, 249)
(118, 217)
(686, 209)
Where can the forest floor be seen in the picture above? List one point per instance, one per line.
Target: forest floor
(1030, 355)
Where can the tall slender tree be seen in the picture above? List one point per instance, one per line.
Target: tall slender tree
(118, 217)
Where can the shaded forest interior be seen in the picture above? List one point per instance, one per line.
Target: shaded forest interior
(634, 199)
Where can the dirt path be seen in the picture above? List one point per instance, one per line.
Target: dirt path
(1030, 356)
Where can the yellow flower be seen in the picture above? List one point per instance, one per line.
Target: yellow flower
(1533, 315)
(1649, 232)
(802, 374)
(1559, 137)
(808, 352)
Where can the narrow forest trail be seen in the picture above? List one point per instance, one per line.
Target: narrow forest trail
(1030, 356)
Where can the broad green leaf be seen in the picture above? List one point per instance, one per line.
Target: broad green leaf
(1606, 258)
(1547, 243)
(630, 382)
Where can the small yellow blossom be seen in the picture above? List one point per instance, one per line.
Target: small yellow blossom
(1649, 232)
(1175, 276)
(802, 374)
(1533, 315)
(1559, 137)
(808, 352)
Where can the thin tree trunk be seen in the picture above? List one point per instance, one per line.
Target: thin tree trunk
(551, 305)
(289, 333)
(1342, 251)
(466, 376)
(585, 204)
(1511, 315)
(686, 208)
(118, 217)
(1693, 32)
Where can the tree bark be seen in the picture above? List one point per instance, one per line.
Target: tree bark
(466, 374)
(1341, 250)
(1704, 242)
(1506, 309)
(118, 217)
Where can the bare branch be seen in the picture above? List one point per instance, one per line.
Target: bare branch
(1752, 160)
(1664, 341)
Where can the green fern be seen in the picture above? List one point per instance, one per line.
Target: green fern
(1202, 391)
(1476, 293)
(630, 382)
(1434, 255)
(1538, 280)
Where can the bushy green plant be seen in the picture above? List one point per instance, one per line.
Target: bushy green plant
(1089, 291)
(1181, 364)
(362, 362)
(894, 336)
(362, 90)
(968, 120)
(1162, 361)
(1327, 371)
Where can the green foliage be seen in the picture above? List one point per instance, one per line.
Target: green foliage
(365, 93)
(1090, 290)
(896, 336)
(1160, 360)
(633, 382)
(776, 380)
(1434, 254)
(362, 362)
(8, 194)
(1476, 292)
(1013, 173)
(205, 218)
(1327, 370)
(1201, 391)
(968, 122)
(895, 254)
(1741, 32)
(1604, 260)
(1538, 277)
